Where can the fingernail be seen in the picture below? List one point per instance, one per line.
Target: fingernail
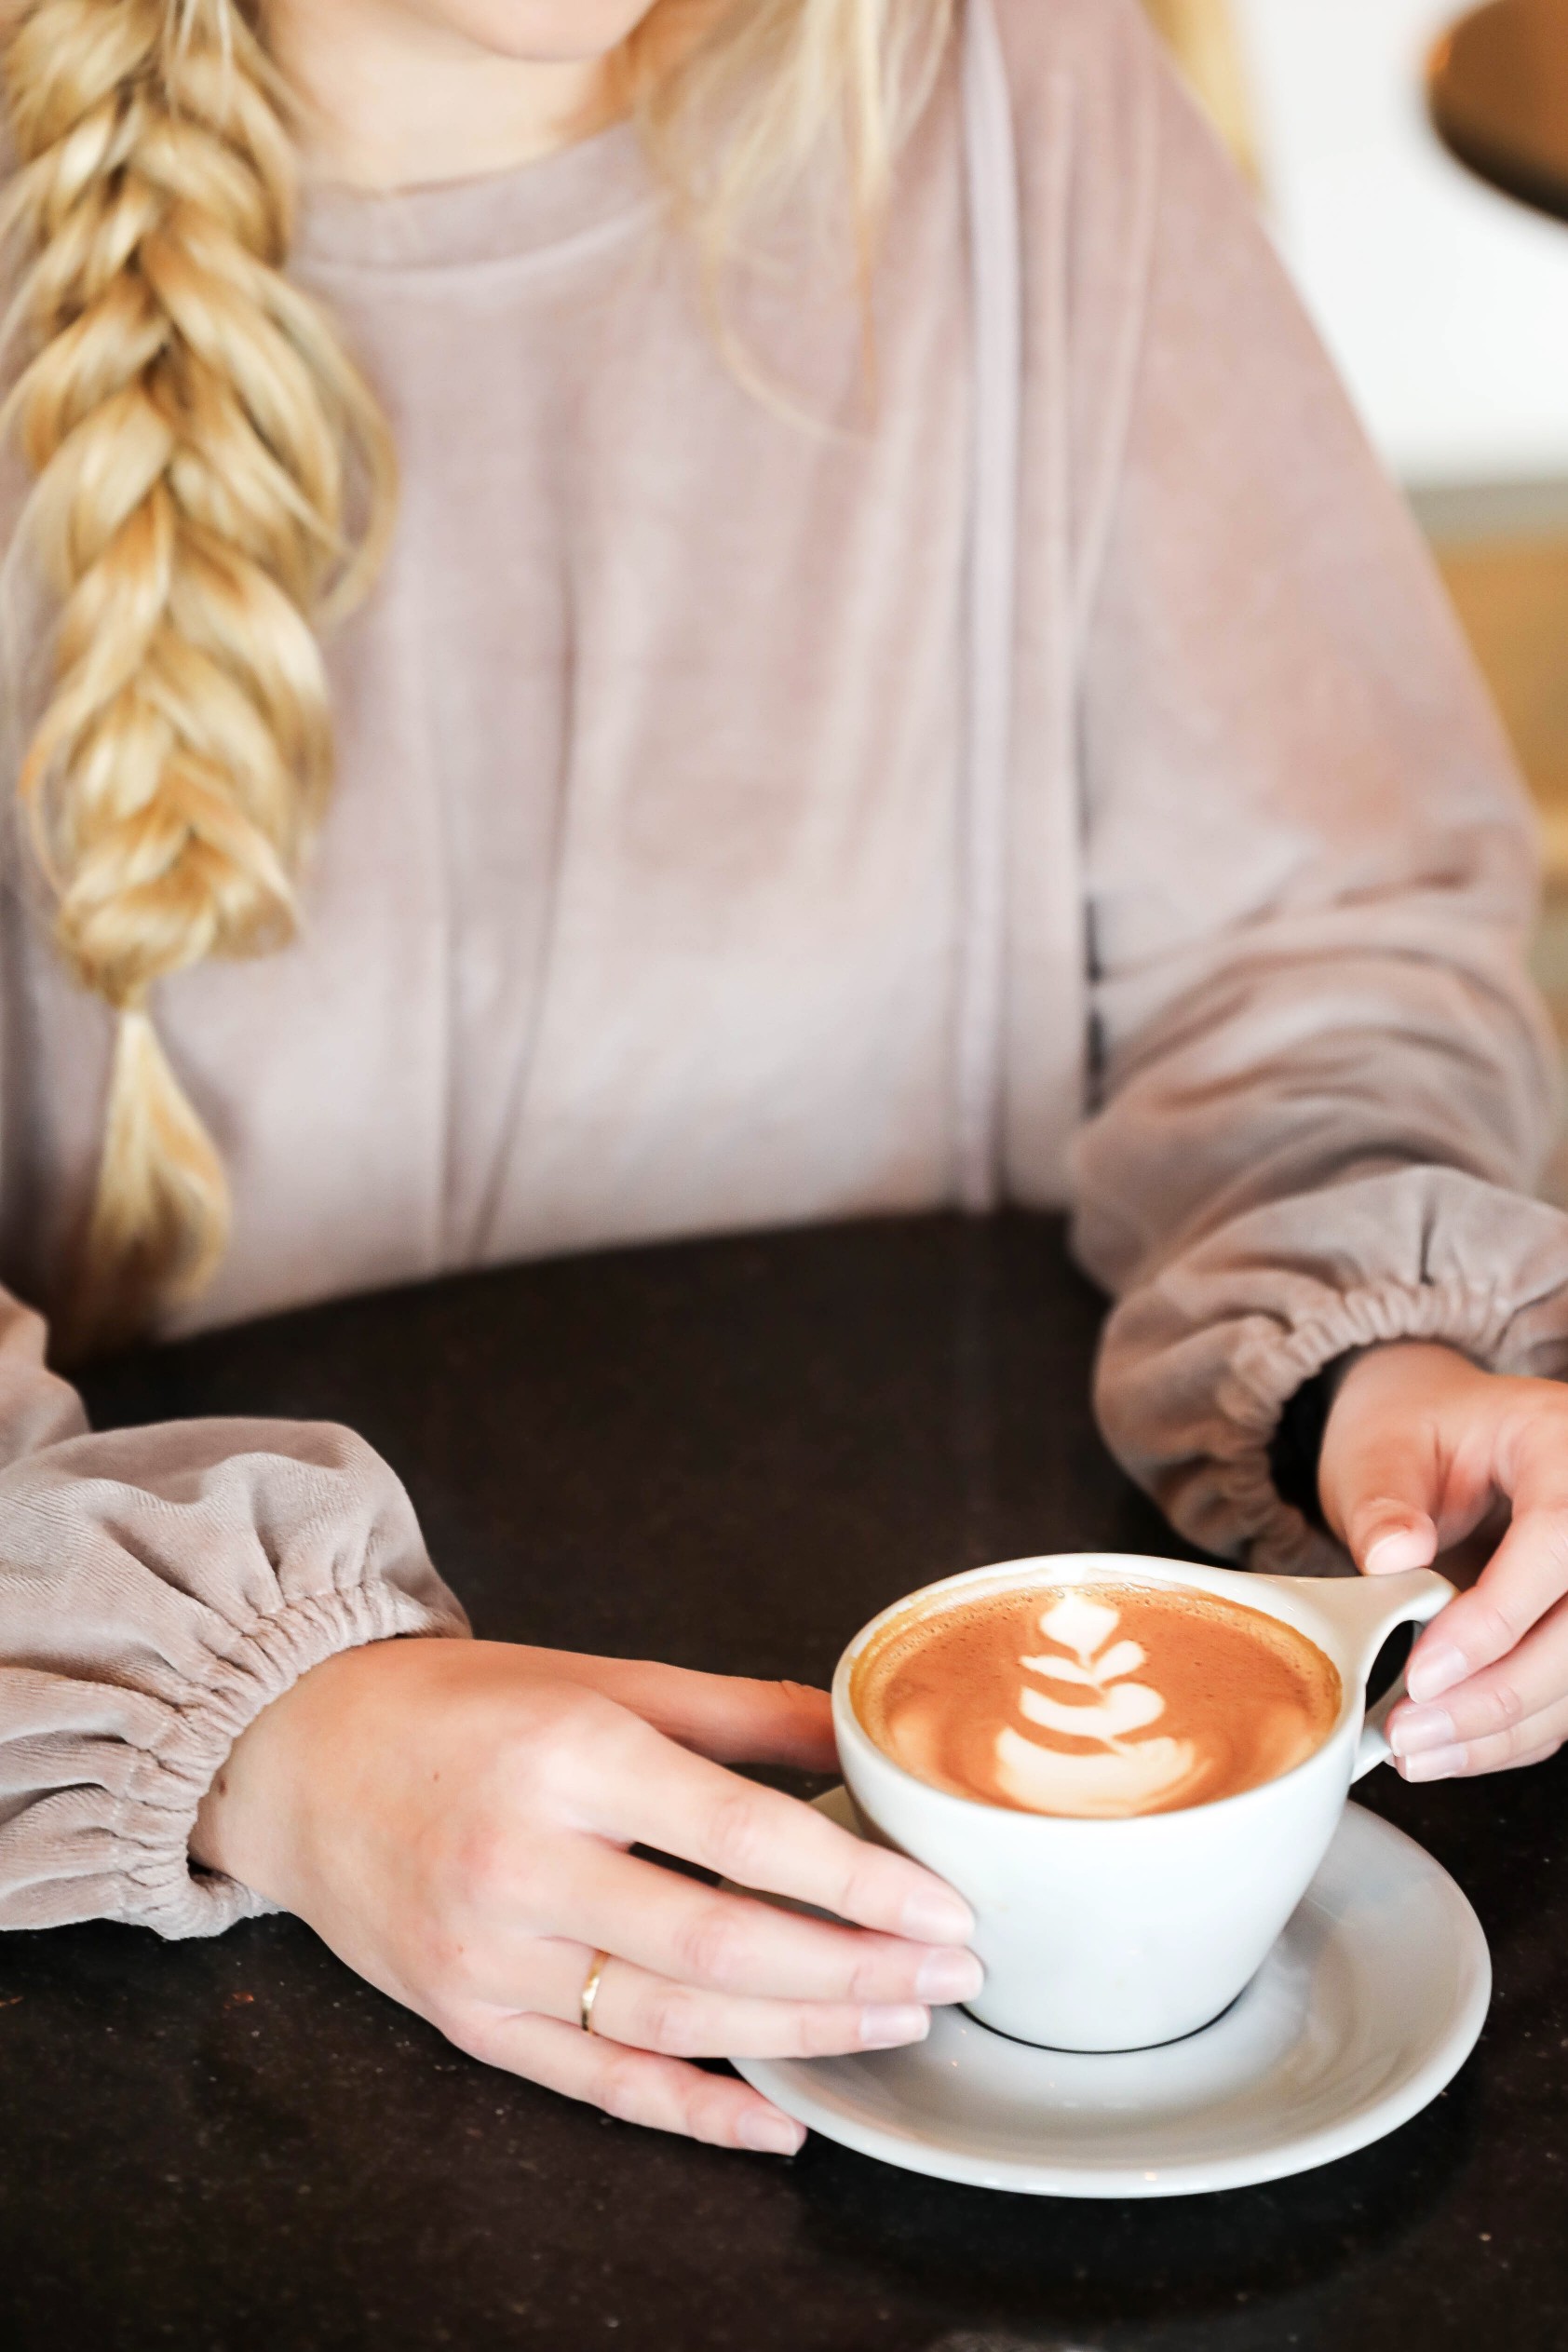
(1400, 1547)
(1436, 1671)
(892, 2025)
(1415, 1730)
(935, 1915)
(768, 2133)
(1437, 1763)
(948, 1976)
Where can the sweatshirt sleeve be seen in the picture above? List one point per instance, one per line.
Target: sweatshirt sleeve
(1324, 1084)
(157, 1588)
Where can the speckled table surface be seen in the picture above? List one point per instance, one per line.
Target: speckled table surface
(727, 1454)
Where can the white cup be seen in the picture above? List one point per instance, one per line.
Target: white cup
(1108, 1935)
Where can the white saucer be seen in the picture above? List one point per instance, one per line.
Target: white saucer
(1371, 2001)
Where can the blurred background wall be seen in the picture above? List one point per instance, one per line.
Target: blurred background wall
(1445, 304)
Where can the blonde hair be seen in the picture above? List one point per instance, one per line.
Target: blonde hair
(214, 481)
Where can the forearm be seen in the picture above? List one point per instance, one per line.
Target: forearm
(1199, 1360)
(158, 1590)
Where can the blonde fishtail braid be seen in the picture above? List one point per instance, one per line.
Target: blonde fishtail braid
(197, 432)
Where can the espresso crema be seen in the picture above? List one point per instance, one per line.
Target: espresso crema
(1095, 1700)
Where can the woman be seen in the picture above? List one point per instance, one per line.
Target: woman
(886, 609)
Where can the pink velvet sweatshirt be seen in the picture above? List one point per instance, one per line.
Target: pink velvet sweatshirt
(1058, 781)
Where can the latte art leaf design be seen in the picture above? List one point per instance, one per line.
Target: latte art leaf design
(1093, 1699)
(1124, 1657)
(1127, 1775)
(1085, 1627)
(1130, 1707)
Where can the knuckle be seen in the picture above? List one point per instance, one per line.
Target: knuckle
(712, 1945)
(667, 2021)
(459, 2024)
(712, 2113)
(1501, 1749)
(826, 2032)
(453, 1973)
(541, 1750)
(866, 1978)
(476, 1871)
(486, 1866)
(619, 2089)
(737, 1834)
(1494, 1624)
(1522, 1741)
(1548, 1527)
(864, 1891)
(433, 1954)
(1501, 1708)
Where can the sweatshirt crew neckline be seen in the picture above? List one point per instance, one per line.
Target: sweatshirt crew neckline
(534, 209)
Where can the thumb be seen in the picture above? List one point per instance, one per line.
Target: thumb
(1377, 1487)
(1384, 1537)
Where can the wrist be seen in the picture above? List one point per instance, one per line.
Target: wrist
(257, 1821)
(1397, 1367)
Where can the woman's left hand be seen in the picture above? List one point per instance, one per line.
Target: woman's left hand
(1421, 1447)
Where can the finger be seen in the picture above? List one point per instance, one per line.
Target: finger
(632, 2085)
(1529, 1680)
(727, 1943)
(1382, 1480)
(735, 1720)
(546, 1976)
(650, 1793)
(656, 2013)
(725, 1716)
(1526, 1743)
(1526, 1577)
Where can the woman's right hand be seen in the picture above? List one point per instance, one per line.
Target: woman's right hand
(452, 1818)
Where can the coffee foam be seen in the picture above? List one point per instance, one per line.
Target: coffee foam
(1097, 1701)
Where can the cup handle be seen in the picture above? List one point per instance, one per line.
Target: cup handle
(1373, 1748)
(1421, 1608)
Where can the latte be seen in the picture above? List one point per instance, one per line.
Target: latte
(1095, 1700)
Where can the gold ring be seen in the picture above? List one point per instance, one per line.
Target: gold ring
(589, 1993)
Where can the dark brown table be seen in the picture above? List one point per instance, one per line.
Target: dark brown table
(1497, 87)
(726, 1454)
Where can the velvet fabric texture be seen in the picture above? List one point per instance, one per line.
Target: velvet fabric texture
(638, 909)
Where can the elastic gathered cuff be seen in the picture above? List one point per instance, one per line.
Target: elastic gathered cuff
(153, 1816)
(1200, 1357)
(1269, 1364)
